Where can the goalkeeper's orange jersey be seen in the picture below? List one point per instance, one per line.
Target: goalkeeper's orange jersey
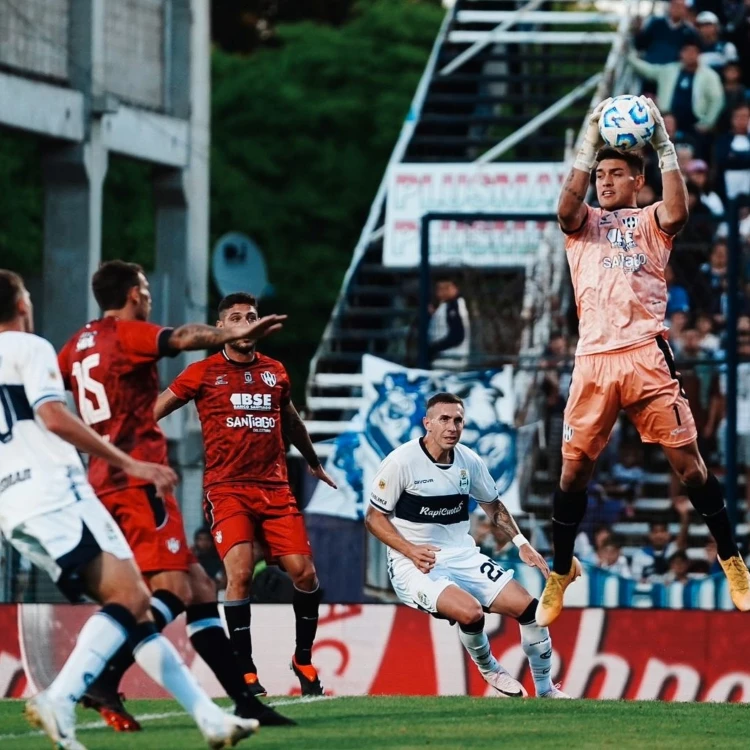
(617, 261)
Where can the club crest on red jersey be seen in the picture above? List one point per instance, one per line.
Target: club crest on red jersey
(268, 378)
(248, 377)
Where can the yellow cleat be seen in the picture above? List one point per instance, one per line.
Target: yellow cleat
(739, 581)
(551, 602)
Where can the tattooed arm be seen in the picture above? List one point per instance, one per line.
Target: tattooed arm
(504, 521)
(571, 209)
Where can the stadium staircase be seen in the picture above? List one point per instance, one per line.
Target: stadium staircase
(505, 81)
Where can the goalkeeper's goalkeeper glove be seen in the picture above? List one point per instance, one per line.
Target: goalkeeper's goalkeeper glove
(592, 140)
(660, 139)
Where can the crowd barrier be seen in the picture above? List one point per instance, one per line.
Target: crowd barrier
(393, 650)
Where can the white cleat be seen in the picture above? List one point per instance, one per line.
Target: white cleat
(56, 719)
(228, 730)
(555, 692)
(504, 685)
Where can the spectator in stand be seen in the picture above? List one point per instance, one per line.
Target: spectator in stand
(733, 154)
(712, 283)
(679, 565)
(691, 91)
(662, 37)
(700, 227)
(677, 324)
(208, 558)
(450, 330)
(709, 341)
(735, 93)
(678, 299)
(696, 172)
(587, 547)
(678, 136)
(716, 52)
(609, 557)
(651, 562)
(627, 477)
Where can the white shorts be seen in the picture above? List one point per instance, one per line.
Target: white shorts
(61, 541)
(466, 568)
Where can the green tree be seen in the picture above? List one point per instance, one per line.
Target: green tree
(301, 135)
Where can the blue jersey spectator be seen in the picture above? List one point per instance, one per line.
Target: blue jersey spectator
(662, 37)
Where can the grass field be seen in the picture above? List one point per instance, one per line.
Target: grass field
(416, 723)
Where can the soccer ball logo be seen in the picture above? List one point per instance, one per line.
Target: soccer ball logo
(626, 123)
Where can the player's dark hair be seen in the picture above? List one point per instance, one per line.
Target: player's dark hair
(444, 277)
(11, 289)
(112, 282)
(633, 159)
(444, 398)
(237, 298)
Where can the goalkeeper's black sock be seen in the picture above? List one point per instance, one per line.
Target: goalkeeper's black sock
(708, 500)
(568, 510)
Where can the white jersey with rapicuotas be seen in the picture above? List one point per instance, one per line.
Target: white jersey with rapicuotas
(36, 466)
(429, 502)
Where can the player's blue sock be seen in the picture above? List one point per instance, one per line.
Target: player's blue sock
(537, 646)
(476, 643)
(100, 637)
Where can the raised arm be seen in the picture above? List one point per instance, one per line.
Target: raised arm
(672, 213)
(297, 434)
(571, 209)
(196, 336)
(166, 403)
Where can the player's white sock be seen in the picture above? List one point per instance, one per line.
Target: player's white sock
(161, 662)
(537, 646)
(100, 637)
(476, 643)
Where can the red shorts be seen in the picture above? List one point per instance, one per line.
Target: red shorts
(153, 527)
(242, 514)
(642, 381)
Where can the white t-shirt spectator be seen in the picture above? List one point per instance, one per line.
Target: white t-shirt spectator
(650, 564)
(737, 181)
(620, 567)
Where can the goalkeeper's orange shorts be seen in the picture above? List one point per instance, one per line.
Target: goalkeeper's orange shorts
(642, 381)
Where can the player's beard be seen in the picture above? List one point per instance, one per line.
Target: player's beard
(242, 347)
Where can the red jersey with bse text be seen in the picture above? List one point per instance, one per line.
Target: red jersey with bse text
(110, 366)
(240, 406)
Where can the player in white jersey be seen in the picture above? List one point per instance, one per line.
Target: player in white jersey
(50, 514)
(419, 508)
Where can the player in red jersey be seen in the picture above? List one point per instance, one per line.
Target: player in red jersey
(110, 364)
(245, 409)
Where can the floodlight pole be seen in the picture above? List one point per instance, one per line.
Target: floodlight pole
(733, 274)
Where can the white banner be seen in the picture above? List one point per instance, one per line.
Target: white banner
(394, 400)
(416, 189)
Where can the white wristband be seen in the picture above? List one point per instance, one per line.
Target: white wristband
(519, 540)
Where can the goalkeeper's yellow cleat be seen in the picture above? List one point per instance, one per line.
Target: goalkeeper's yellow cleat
(739, 581)
(551, 602)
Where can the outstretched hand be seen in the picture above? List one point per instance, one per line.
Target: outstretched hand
(320, 473)
(265, 326)
(533, 559)
(593, 136)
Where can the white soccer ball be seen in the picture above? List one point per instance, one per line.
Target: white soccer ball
(626, 123)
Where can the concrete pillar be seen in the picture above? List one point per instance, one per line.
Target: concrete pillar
(74, 183)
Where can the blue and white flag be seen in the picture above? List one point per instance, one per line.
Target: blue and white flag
(394, 399)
